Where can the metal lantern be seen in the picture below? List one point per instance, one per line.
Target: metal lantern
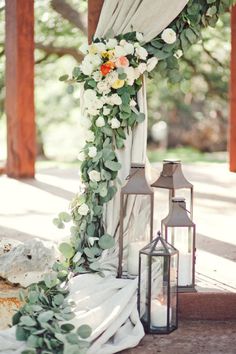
(136, 185)
(172, 178)
(157, 288)
(180, 231)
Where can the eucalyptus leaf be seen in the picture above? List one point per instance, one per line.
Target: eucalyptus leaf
(63, 216)
(106, 242)
(112, 165)
(66, 249)
(27, 321)
(84, 331)
(45, 316)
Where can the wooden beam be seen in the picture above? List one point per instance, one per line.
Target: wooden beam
(21, 145)
(94, 10)
(232, 130)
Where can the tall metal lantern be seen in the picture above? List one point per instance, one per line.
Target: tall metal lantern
(136, 185)
(172, 178)
(180, 231)
(157, 288)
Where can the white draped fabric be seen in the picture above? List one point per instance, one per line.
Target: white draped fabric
(109, 304)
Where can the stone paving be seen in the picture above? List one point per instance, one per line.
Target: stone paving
(192, 337)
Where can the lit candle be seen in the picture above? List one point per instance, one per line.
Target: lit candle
(159, 314)
(133, 256)
(185, 269)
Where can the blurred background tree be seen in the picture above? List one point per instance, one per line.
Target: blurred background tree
(192, 112)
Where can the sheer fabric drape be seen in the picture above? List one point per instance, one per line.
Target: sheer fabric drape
(109, 304)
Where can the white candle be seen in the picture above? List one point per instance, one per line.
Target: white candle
(159, 314)
(185, 269)
(133, 256)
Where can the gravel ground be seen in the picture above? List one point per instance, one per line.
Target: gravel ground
(192, 337)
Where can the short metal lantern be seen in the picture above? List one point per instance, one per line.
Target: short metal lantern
(136, 185)
(180, 231)
(172, 178)
(157, 288)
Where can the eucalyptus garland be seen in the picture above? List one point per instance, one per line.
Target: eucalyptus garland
(111, 75)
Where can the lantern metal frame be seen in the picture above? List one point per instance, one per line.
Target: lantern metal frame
(172, 179)
(152, 253)
(136, 185)
(181, 220)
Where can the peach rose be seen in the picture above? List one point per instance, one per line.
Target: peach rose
(122, 62)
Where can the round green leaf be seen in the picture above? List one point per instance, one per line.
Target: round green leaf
(45, 316)
(58, 299)
(67, 250)
(84, 331)
(63, 216)
(106, 242)
(67, 327)
(28, 321)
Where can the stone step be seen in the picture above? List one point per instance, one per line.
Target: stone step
(207, 306)
(9, 303)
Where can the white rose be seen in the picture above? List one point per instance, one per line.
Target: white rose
(139, 36)
(142, 67)
(103, 87)
(115, 99)
(89, 96)
(85, 122)
(89, 136)
(94, 176)
(137, 73)
(115, 123)
(151, 63)
(83, 209)
(132, 103)
(119, 51)
(111, 43)
(168, 36)
(84, 48)
(97, 76)
(101, 47)
(81, 156)
(86, 68)
(129, 48)
(100, 122)
(141, 53)
(92, 111)
(92, 151)
(178, 54)
(95, 59)
(106, 111)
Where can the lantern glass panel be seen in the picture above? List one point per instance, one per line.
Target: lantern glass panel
(182, 239)
(173, 289)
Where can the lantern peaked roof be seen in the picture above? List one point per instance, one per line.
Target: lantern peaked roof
(159, 247)
(136, 181)
(172, 176)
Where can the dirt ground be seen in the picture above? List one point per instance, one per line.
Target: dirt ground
(192, 337)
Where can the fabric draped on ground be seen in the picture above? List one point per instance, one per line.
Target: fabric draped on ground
(109, 304)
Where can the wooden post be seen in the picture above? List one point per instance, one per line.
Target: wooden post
(21, 145)
(232, 132)
(94, 10)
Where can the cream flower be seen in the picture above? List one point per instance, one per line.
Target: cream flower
(142, 67)
(84, 48)
(89, 136)
(169, 36)
(139, 36)
(141, 53)
(131, 76)
(129, 48)
(81, 156)
(115, 123)
(92, 152)
(151, 63)
(94, 176)
(97, 76)
(86, 68)
(100, 122)
(106, 111)
(85, 122)
(83, 209)
(119, 51)
(111, 43)
(115, 99)
(103, 87)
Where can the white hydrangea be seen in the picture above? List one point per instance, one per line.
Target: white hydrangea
(89, 96)
(100, 122)
(103, 87)
(115, 123)
(169, 36)
(111, 43)
(151, 63)
(141, 53)
(94, 176)
(92, 152)
(83, 209)
(89, 136)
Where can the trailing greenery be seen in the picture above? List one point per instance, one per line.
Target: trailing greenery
(39, 319)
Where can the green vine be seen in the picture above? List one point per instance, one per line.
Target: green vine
(45, 304)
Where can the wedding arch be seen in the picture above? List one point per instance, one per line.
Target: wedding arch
(131, 39)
